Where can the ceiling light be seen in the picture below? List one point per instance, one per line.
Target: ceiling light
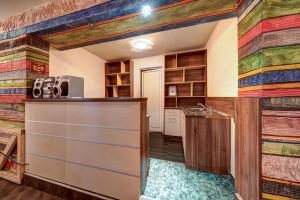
(146, 10)
(141, 44)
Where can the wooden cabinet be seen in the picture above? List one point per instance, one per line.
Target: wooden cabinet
(207, 144)
(172, 122)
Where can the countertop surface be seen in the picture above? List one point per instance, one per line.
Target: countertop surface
(119, 99)
(214, 114)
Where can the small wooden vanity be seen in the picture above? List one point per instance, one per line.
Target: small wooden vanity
(206, 141)
(205, 137)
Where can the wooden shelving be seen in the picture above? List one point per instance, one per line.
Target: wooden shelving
(119, 79)
(186, 71)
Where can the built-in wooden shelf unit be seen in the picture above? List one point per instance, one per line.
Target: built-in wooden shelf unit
(119, 79)
(186, 71)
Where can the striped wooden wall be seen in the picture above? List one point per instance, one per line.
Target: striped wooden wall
(269, 67)
(22, 59)
(269, 48)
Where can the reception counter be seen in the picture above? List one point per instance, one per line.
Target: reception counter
(98, 146)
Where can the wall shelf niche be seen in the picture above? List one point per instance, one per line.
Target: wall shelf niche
(119, 79)
(187, 71)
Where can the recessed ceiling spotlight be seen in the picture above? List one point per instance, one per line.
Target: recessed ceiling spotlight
(146, 10)
(141, 44)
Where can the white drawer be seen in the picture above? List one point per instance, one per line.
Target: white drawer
(172, 122)
(172, 113)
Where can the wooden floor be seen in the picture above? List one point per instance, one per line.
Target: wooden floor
(165, 149)
(11, 191)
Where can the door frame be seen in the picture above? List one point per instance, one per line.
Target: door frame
(161, 88)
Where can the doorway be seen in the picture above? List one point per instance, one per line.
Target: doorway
(151, 86)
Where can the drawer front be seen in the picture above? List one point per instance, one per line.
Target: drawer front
(172, 129)
(172, 113)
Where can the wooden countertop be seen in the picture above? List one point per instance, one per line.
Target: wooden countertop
(119, 99)
(215, 114)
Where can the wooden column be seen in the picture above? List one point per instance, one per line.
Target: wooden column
(247, 139)
(22, 59)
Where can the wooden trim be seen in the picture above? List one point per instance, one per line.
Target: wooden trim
(8, 149)
(144, 147)
(60, 190)
(18, 177)
(123, 99)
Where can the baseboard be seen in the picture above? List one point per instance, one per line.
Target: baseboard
(61, 190)
(238, 196)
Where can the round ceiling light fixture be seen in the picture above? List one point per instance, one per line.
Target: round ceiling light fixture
(146, 10)
(141, 44)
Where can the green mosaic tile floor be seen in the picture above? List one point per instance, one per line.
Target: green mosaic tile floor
(173, 181)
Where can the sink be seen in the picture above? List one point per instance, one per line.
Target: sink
(197, 111)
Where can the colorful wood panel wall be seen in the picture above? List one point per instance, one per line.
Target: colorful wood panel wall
(269, 48)
(281, 148)
(102, 20)
(22, 59)
(269, 67)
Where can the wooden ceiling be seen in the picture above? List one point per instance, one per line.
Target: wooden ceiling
(119, 19)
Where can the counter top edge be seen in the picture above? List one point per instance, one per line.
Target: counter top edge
(88, 100)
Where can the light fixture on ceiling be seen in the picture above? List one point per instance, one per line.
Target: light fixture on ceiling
(146, 10)
(141, 44)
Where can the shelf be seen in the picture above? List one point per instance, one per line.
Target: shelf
(118, 79)
(190, 96)
(170, 97)
(185, 68)
(187, 82)
(123, 85)
(124, 73)
(187, 72)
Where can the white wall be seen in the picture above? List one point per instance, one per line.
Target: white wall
(79, 62)
(222, 71)
(222, 60)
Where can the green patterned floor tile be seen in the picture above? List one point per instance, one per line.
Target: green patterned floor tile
(173, 181)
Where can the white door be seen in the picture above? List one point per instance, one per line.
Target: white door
(151, 89)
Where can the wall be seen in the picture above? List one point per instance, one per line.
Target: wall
(269, 63)
(222, 72)
(79, 62)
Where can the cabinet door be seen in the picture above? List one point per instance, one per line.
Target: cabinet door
(172, 122)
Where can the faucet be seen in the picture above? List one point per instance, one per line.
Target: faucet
(203, 106)
(208, 109)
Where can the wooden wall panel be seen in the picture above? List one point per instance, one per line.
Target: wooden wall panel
(269, 49)
(280, 167)
(281, 148)
(22, 59)
(223, 104)
(248, 148)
